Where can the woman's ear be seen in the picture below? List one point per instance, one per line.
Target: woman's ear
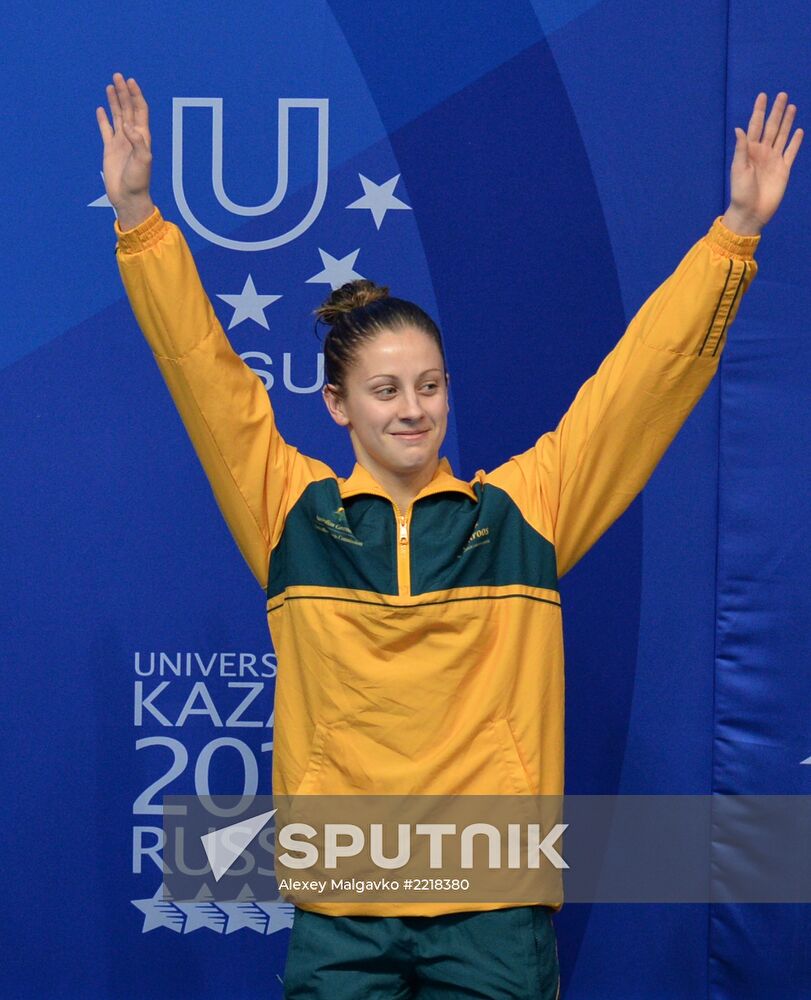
(335, 404)
(447, 387)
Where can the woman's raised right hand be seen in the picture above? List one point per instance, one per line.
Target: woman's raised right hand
(127, 151)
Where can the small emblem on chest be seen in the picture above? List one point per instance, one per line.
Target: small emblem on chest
(336, 527)
(479, 536)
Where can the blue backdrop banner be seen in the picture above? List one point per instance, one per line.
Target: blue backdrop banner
(528, 172)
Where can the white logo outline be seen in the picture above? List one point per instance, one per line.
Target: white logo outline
(285, 104)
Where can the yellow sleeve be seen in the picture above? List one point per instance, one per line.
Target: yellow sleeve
(255, 475)
(577, 480)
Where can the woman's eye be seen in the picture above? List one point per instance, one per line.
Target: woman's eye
(387, 391)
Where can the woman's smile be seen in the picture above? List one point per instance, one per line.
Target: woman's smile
(410, 435)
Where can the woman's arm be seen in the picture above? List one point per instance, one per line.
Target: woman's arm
(577, 480)
(255, 475)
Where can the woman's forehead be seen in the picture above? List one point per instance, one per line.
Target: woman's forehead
(404, 351)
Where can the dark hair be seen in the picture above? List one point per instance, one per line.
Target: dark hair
(356, 313)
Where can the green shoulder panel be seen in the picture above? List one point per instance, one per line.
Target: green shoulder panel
(458, 543)
(325, 544)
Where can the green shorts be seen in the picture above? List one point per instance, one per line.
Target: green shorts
(507, 954)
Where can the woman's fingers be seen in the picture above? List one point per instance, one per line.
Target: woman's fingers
(139, 105)
(755, 128)
(104, 125)
(783, 132)
(128, 110)
(115, 106)
(124, 99)
(776, 129)
(138, 142)
(793, 147)
(775, 117)
(740, 155)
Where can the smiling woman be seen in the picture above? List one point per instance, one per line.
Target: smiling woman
(387, 384)
(416, 617)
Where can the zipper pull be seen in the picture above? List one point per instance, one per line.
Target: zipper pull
(403, 531)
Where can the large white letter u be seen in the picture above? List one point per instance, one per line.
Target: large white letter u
(321, 105)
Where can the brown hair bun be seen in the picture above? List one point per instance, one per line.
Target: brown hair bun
(352, 295)
(356, 313)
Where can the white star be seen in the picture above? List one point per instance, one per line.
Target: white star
(103, 201)
(280, 913)
(337, 271)
(249, 305)
(379, 198)
(203, 912)
(160, 912)
(244, 911)
(249, 915)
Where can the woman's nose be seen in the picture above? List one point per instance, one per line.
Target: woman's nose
(410, 406)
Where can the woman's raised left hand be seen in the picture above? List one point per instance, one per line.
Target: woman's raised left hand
(761, 165)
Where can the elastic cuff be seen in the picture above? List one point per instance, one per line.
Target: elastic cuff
(731, 244)
(145, 235)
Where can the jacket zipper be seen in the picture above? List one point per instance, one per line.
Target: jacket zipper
(403, 552)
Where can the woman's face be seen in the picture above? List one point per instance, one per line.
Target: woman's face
(395, 403)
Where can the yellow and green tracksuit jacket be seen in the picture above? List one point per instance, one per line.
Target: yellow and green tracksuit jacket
(421, 651)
